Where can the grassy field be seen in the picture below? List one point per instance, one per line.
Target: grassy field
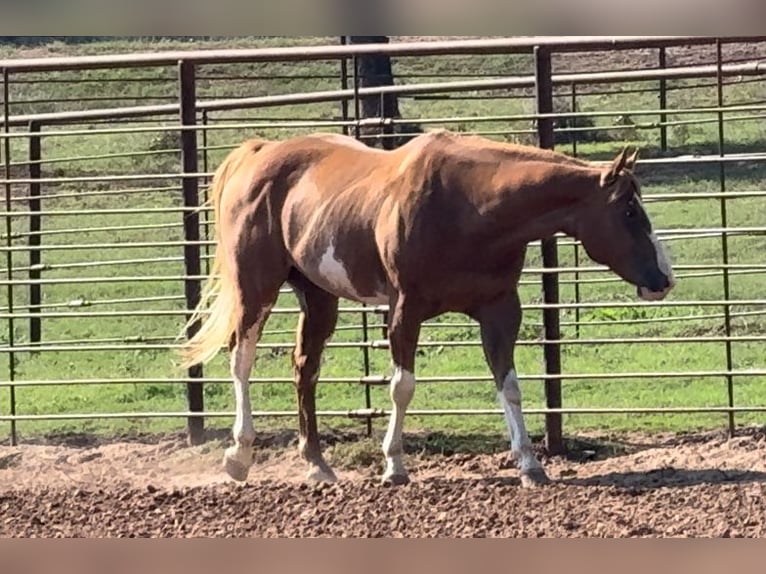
(86, 214)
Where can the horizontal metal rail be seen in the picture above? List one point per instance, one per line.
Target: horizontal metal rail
(43, 313)
(383, 380)
(106, 211)
(307, 53)
(180, 209)
(679, 160)
(339, 123)
(101, 193)
(666, 234)
(183, 312)
(753, 68)
(442, 121)
(526, 270)
(126, 245)
(714, 271)
(113, 229)
(77, 346)
(371, 413)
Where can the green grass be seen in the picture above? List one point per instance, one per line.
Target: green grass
(434, 359)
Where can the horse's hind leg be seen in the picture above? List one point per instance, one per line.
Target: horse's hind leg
(319, 315)
(239, 458)
(258, 289)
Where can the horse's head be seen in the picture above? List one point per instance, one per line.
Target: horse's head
(616, 231)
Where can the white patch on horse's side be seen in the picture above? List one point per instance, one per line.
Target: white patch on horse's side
(332, 269)
(334, 272)
(521, 445)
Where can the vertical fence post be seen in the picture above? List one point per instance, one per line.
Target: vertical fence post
(552, 350)
(365, 326)
(663, 103)
(206, 168)
(35, 289)
(9, 253)
(576, 245)
(724, 238)
(188, 104)
(344, 87)
(575, 120)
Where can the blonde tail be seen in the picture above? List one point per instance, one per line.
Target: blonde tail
(218, 319)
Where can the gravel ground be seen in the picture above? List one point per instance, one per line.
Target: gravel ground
(692, 485)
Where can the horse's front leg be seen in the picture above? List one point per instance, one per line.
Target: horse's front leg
(404, 329)
(500, 324)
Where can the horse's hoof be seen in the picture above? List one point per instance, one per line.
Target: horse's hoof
(234, 467)
(395, 480)
(534, 477)
(321, 475)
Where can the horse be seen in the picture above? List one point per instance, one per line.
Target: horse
(440, 224)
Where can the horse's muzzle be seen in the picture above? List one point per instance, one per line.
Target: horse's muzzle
(657, 289)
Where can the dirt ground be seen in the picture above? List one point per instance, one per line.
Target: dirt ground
(692, 485)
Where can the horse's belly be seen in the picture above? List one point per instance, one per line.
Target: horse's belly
(346, 273)
(336, 278)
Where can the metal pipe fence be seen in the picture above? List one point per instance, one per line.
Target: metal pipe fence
(132, 185)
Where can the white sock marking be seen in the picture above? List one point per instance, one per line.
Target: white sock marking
(510, 398)
(242, 359)
(402, 391)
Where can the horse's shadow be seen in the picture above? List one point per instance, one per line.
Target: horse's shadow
(584, 451)
(640, 481)
(668, 477)
(636, 482)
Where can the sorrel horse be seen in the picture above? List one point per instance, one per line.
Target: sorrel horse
(438, 225)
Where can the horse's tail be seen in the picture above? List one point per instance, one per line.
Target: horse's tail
(221, 287)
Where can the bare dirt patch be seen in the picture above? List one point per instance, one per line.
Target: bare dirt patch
(691, 485)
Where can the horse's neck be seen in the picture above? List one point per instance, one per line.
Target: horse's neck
(539, 205)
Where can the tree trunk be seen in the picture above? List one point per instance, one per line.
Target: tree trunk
(372, 71)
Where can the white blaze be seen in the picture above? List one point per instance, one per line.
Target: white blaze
(663, 264)
(663, 261)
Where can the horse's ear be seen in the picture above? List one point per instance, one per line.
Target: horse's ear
(609, 175)
(630, 163)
